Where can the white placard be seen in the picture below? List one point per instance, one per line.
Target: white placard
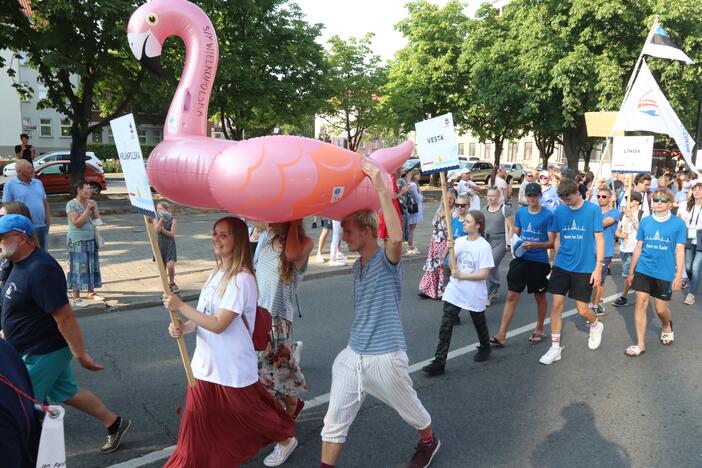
(632, 154)
(698, 163)
(127, 141)
(436, 144)
(52, 448)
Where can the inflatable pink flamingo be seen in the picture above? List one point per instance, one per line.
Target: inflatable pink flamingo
(272, 178)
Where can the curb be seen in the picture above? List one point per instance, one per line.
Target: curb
(91, 310)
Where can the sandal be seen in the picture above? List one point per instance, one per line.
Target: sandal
(95, 297)
(667, 338)
(536, 338)
(633, 351)
(496, 343)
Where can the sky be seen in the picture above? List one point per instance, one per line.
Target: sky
(357, 17)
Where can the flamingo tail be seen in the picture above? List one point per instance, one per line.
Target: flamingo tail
(393, 157)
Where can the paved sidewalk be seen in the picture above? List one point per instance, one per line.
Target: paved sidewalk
(130, 277)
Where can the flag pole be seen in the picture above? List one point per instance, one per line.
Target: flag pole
(626, 96)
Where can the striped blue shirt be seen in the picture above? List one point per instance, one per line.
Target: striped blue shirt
(377, 328)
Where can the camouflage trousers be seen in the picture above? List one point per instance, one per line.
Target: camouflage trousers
(446, 330)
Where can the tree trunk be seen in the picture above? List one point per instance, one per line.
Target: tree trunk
(546, 146)
(499, 144)
(572, 142)
(79, 142)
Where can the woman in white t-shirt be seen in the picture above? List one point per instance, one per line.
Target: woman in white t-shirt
(467, 290)
(229, 415)
(692, 215)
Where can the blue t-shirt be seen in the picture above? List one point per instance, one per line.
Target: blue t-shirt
(577, 230)
(534, 229)
(377, 290)
(35, 289)
(609, 232)
(31, 194)
(657, 258)
(457, 231)
(18, 422)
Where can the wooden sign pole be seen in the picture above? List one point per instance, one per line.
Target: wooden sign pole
(185, 358)
(447, 217)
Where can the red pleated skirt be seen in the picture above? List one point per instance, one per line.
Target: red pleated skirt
(226, 427)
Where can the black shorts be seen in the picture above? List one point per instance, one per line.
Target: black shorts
(577, 285)
(529, 274)
(326, 223)
(655, 287)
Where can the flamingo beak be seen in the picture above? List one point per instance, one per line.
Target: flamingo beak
(147, 49)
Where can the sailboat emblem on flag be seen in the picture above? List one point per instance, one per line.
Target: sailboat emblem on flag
(648, 106)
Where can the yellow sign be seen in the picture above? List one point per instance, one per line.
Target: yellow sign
(599, 124)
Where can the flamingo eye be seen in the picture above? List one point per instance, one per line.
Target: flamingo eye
(152, 19)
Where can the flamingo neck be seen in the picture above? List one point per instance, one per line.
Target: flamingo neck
(187, 114)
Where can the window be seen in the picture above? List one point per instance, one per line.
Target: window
(518, 167)
(45, 128)
(65, 128)
(488, 150)
(158, 135)
(461, 148)
(374, 144)
(142, 136)
(97, 136)
(512, 148)
(56, 169)
(110, 137)
(527, 151)
(471, 149)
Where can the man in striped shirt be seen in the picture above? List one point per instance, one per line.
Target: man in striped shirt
(375, 362)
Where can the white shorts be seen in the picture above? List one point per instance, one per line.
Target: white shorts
(384, 376)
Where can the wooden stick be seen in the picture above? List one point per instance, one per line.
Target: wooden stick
(447, 216)
(184, 357)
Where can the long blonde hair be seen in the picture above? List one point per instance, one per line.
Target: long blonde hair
(240, 259)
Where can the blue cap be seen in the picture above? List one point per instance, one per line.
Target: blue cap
(16, 223)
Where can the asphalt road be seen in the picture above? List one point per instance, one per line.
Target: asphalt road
(593, 408)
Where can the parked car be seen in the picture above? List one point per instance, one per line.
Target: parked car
(90, 158)
(481, 171)
(515, 172)
(56, 177)
(455, 174)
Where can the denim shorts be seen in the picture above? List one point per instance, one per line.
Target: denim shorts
(626, 262)
(51, 375)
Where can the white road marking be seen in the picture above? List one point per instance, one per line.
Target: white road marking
(324, 399)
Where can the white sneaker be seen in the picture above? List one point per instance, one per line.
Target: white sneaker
(319, 259)
(595, 336)
(341, 257)
(280, 453)
(297, 351)
(689, 299)
(552, 355)
(336, 263)
(80, 303)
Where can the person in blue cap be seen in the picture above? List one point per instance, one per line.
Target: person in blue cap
(38, 321)
(530, 268)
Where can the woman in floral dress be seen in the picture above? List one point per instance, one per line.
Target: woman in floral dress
(432, 283)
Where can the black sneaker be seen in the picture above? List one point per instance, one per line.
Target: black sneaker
(434, 368)
(482, 355)
(424, 453)
(620, 302)
(113, 440)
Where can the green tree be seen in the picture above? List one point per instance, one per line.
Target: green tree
(80, 52)
(494, 98)
(271, 69)
(356, 78)
(577, 56)
(424, 79)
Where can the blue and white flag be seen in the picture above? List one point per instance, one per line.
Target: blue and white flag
(661, 45)
(647, 109)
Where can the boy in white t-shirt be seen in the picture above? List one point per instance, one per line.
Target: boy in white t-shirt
(467, 289)
(626, 231)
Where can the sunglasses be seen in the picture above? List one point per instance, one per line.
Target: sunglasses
(460, 205)
(529, 175)
(661, 200)
(603, 196)
(543, 177)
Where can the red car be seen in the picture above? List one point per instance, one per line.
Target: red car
(56, 177)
